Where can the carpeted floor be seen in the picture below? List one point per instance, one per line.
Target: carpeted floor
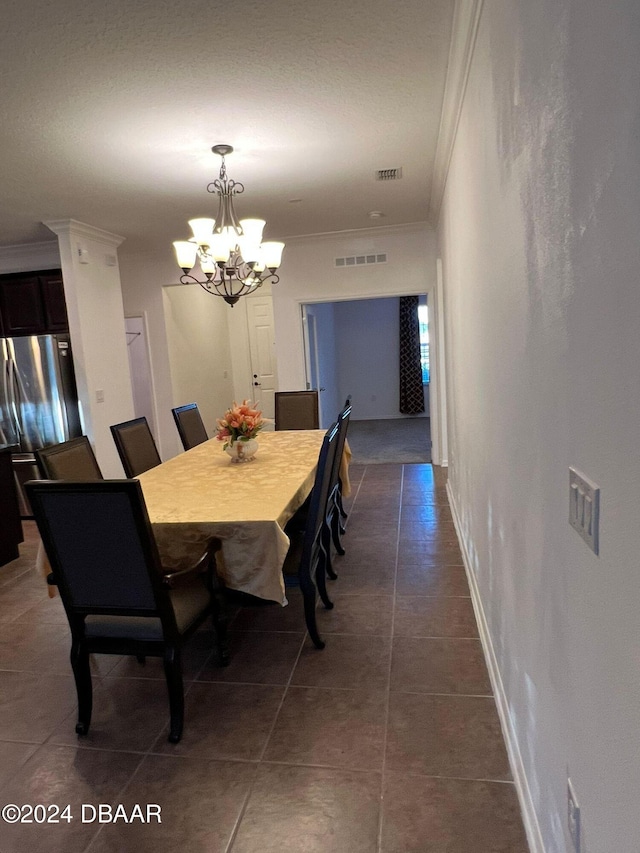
(405, 440)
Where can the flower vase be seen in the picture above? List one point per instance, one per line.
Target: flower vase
(242, 450)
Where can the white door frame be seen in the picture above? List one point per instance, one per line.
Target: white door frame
(311, 362)
(437, 390)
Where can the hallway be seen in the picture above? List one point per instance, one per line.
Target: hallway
(387, 741)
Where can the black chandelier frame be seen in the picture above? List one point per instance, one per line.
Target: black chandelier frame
(235, 277)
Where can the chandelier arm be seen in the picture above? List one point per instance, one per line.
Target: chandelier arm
(230, 187)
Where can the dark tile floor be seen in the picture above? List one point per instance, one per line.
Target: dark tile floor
(387, 741)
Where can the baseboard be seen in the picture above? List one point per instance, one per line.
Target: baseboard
(529, 817)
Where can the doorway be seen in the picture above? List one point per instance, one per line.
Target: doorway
(264, 377)
(140, 370)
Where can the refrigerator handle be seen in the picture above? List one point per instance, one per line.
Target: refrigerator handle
(11, 393)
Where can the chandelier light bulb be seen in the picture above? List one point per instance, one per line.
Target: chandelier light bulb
(186, 252)
(202, 230)
(252, 229)
(219, 249)
(249, 250)
(272, 254)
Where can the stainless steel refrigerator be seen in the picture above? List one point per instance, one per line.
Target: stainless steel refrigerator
(38, 400)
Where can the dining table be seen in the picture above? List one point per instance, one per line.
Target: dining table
(201, 494)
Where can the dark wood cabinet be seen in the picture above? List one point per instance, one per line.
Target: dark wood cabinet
(32, 303)
(11, 528)
(55, 307)
(22, 307)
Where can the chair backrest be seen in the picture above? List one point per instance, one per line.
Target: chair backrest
(136, 447)
(311, 547)
(296, 410)
(190, 426)
(103, 556)
(69, 460)
(343, 426)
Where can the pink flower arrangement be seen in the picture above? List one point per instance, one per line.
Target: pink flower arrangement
(239, 423)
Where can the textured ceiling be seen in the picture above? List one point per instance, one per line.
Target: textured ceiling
(110, 109)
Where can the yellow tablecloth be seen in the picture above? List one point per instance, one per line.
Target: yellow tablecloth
(201, 494)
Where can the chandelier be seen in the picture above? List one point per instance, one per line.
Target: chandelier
(233, 260)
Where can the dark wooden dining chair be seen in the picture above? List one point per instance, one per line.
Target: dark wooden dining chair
(307, 556)
(105, 563)
(333, 527)
(335, 510)
(341, 509)
(69, 460)
(135, 445)
(190, 426)
(296, 410)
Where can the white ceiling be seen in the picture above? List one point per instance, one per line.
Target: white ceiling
(110, 109)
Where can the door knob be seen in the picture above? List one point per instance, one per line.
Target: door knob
(257, 383)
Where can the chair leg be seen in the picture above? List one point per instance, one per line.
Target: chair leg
(326, 550)
(173, 674)
(308, 590)
(310, 618)
(341, 508)
(336, 529)
(321, 580)
(82, 676)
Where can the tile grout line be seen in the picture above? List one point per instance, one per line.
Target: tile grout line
(241, 813)
(118, 798)
(388, 697)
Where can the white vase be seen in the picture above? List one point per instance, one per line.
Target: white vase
(242, 450)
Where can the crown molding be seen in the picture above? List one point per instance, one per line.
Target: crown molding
(375, 231)
(64, 227)
(466, 18)
(25, 257)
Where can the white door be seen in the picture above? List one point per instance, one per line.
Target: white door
(264, 378)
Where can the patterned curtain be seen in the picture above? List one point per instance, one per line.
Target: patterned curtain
(411, 390)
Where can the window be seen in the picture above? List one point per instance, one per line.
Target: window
(423, 324)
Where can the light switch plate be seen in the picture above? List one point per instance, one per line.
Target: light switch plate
(584, 508)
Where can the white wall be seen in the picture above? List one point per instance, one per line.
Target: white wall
(143, 277)
(540, 249)
(199, 351)
(140, 370)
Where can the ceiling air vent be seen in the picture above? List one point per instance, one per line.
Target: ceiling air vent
(361, 260)
(389, 174)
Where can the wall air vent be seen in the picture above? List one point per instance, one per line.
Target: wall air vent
(389, 174)
(361, 260)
